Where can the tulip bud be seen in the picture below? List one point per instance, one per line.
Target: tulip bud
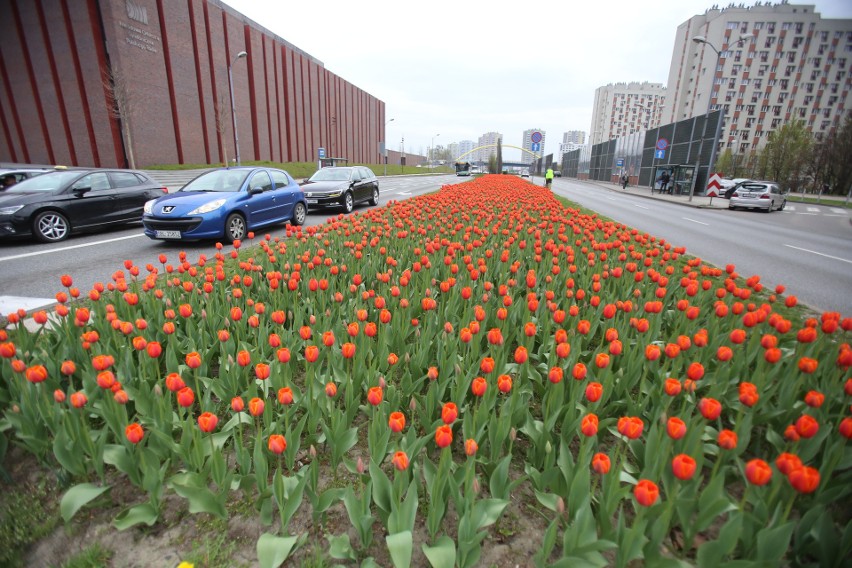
(382, 383)
(412, 405)
(513, 434)
(548, 447)
(560, 505)
(361, 467)
(313, 452)
(476, 485)
(158, 390)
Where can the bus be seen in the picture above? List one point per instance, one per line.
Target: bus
(462, 168)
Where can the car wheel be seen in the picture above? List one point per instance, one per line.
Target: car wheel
(299, 214)
(51, 227)
(348, 202)
(375, 198)
(783, 205)
(235, 227)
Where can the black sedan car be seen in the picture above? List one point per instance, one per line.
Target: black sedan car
(52, 206)
(341, 187)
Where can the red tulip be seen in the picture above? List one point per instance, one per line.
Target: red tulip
(237, 404)
(185, 397)
(504, 383)
(470, 447)
(672, 387)
(758, 472)
(396, 422)
(579, 371)
(78, 400)
(449, 412)
(285, 396)
(347, 350)
(808, 365)
(807, 426)
(594, 391)
(478, 386)
(555, 375)
(193, 360)
(207, 422)
(134, 433)
(443, 436)
(256, 406)
(174, 382)
(37, 374)
(311, 353)
(727, 439)
(601, 463)
(330, 389)
(787, 462)
(400, 461)
(243, 358)
(676, 428)
(487, 365)
(277, 444)
(748, 394)
(710, 408)
(374, 396)
(646, 492)
(630, 426)
(814, 399)
(589, 425)
(520, 355)
(262, 371)
(683, 467)
(695, 371)
(804, 479)
(845, 428)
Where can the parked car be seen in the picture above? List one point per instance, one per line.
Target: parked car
(9, 177)
(764, 195)
(226, 203)
(341, 187)
(729, 185)
(54, 205)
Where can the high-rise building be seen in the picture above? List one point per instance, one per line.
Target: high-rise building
(466, 146)
(624, 108)
(566, 147)
(526, 157)
(765, 65)
(574, 137)
(488, 139)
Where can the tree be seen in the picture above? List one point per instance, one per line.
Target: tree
(500, 155)
(492, 164)
(841, 166)
(786, 153)
(121, 106)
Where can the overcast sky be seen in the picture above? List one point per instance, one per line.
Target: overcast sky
(463, 68)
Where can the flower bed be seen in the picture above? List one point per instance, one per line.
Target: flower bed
(466, 346)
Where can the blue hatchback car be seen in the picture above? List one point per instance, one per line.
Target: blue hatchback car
(226, 203)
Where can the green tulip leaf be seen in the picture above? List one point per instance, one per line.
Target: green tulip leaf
(442, 554)
(400, 546)
(201, 500)
(273, 550)
(144, 513)
(78, 497)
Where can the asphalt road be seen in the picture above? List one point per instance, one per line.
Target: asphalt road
(808, 249)
(30, 271)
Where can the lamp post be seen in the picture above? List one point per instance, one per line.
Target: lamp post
(702, 39)
(240, 55)
(432, 151)
(386, 149)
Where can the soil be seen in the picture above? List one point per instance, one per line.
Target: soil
(208, 541)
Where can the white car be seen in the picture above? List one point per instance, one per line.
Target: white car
(728, 184)
(762, 195)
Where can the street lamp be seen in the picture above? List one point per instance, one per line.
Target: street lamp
(702, 39)
(386, 149)
(240, 55)
(432, 151)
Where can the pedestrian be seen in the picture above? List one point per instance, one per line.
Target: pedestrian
(548, 177)
(624, 181)
(664, 181)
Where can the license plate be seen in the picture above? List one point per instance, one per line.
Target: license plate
(168, 234)
(312, 201)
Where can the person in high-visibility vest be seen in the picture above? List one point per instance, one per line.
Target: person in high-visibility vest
(548, 177)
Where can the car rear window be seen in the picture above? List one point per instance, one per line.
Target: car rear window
(754, 187)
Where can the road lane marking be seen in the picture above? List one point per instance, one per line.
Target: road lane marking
(640, 206)
(820, 254)
(699, 222)
(63, 249)
(837, 210)
(813, 209)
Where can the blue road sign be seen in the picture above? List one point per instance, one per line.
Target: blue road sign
(619, 162)
(660, 154)
(321, 152)
(535, 147)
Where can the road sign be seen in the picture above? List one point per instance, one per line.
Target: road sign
(619, 162)
(536, 137)
(535, 147)
(662, 144)
(659, 154)
(321, 153)
(714, 186)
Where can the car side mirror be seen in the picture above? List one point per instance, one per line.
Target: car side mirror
(255, 190)
(81, 190)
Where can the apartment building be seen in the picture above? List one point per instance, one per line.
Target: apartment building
(488, 139)
(624, 108)
(765, 65)
(577, 137)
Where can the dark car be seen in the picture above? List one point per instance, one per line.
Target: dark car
(342, 187)
(226, 203)
(51, 206)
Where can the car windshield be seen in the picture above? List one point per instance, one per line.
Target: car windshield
(218, 180)
(331, 174)
(44, 183)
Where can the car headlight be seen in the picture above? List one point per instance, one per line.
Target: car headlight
(148, 209)
(208, 207)
(10, 210)
(335, 194)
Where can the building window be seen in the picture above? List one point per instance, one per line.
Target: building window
(758, 25)
(749, 122)
(786, 25)
(814, 74)
(776, 110)
(791, 57)
(764, 56)
(732, 83)
(833, 88)
(764, 108)
(825, 124)
(776, 122)
(799, 26)
(770, 41)
(831, 101)
(744, 147)
(736, 69)
(784, 83)
(822, 49)
(771, 83)
(789, 70)
(826, 112)
(808, 99)
(840, 75)
(744, 28)
(823, 36)
(739, 108)
(770, 27)
(733, 25)
(761, 71)
(802, 112)
(817, 61)
(729, 96)
(782, 97)
(797, 41)
(738, 54)
(758, 83)
(746, 82)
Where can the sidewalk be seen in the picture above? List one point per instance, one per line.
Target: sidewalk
(700, 201)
